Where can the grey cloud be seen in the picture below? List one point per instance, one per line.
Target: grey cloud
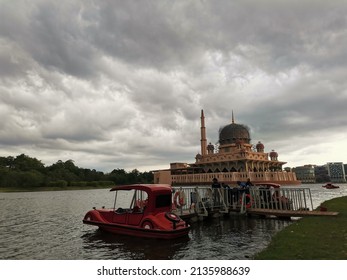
(70, 37)
(51, 34)
(124, 82)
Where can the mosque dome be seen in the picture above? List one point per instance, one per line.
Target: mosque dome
(260, 147)
(198, 156)
(273, 154)
(234, 133)
(210, 147)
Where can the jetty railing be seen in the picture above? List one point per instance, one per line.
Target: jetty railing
(202, 200)
(295, 199)
(197, 200)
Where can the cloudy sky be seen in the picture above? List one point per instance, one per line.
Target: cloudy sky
(121, 84)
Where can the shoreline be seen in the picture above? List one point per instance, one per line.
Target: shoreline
(47, 189)
(312, 238)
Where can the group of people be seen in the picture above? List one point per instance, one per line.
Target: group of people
(241, 185)
(233, 193)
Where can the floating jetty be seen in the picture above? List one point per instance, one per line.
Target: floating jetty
(198, 203)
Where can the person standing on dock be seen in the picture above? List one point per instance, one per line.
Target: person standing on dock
(243, 187)
(215, 186)
(227, 192)
(249, 183)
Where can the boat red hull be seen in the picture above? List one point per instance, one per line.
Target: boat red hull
(330, 186)
(148, 214)
(140, 232)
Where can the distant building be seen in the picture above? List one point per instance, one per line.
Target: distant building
(232, 159)
(336, 172)
(305, 173)
(322, 174)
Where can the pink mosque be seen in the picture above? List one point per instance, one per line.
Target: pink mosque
(232, 159)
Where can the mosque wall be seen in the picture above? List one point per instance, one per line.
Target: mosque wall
(280, 177)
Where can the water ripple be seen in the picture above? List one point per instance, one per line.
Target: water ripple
(48, 225)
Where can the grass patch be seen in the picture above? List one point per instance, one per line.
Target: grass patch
(312, 238)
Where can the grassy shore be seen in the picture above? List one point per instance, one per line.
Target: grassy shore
(312, 238)
(41, 189)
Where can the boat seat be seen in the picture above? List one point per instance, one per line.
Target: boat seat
(137, 209)
(121, 210)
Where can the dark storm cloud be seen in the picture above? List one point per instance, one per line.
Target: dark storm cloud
(123, 82)
(275, 35)
(51, 34)
(312, 105)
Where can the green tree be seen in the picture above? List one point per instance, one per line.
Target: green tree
(133, 176)
(118, 176)
(23, 171)
(9, 179)
(31, 179)
(147, 177)
(62, 171)
(26, 163)
(6, 162)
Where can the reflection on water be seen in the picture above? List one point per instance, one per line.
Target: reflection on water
(225, 238)
(48, 225)
(126, 247)
(235, 237)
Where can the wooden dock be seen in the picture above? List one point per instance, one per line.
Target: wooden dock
(201, 203)
(192, 216)
(289, 213)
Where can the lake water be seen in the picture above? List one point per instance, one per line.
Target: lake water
(48, 225)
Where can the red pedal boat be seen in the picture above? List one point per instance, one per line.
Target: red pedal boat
(330, 186)
(147, 215)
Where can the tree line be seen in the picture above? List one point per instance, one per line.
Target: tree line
(23, 171)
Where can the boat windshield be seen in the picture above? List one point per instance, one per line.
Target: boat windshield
(139, 200)
(130, 199)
